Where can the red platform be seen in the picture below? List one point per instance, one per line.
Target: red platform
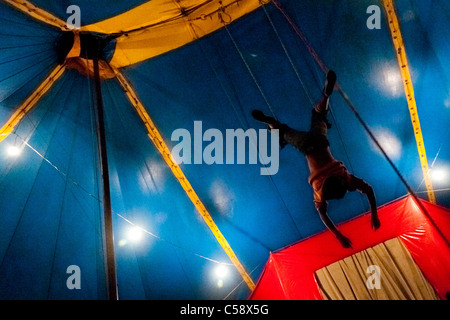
(289, 272)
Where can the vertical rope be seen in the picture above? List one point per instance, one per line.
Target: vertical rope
(301, 36)
(241, 55)
(305, 88)
(245, 123)
(291, 61)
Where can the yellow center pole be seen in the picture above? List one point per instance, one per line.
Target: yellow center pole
(31, 101)
(162, 147)
(38, 13)
(397, 39)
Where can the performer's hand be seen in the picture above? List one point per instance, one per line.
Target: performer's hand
(345, 242)
(374, 221)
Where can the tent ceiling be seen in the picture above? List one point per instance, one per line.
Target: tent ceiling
(49, 207)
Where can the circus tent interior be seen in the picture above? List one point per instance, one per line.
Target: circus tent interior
(94, 206)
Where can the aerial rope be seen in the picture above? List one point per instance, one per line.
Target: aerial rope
(250, 71)
(266, 100)
(352, 107)
(291, 61)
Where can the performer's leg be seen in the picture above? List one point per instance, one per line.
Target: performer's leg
(290, 136)
(287, 134)
(329, 83)
(322, 105)
(260, 116)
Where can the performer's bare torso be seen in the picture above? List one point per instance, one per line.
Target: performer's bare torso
(319, 158)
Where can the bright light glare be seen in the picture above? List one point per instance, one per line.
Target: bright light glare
(389, 142)
(447, 103)
(438, 175)
(393, 81)
(221, 272)
(392, 77)
(13, 151)
(135, 234)
(387, 78)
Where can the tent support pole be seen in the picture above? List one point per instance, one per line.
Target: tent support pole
(107, 212)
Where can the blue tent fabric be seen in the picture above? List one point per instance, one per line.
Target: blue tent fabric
(28, 54)
(50, 214)
(50, 207)
(91, 11)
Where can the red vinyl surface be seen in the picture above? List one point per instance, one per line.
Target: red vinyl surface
(289, 272)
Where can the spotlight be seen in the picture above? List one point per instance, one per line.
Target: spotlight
(13, 151)
(221, 272)
(389, 141)
(438, 175)
(389, 79)
(135, 234)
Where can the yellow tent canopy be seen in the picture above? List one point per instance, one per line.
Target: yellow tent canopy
(159, 26)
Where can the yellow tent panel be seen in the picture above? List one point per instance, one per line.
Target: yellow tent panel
(159, 26)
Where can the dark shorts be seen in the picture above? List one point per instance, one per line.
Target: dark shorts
(317, 138)
(308, 141)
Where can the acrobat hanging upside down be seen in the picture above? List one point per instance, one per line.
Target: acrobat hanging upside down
(328, 177)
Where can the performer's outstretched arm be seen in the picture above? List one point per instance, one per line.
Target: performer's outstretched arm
(364, 187)
(322, 210)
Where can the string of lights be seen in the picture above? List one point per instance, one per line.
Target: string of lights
(136, 232)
